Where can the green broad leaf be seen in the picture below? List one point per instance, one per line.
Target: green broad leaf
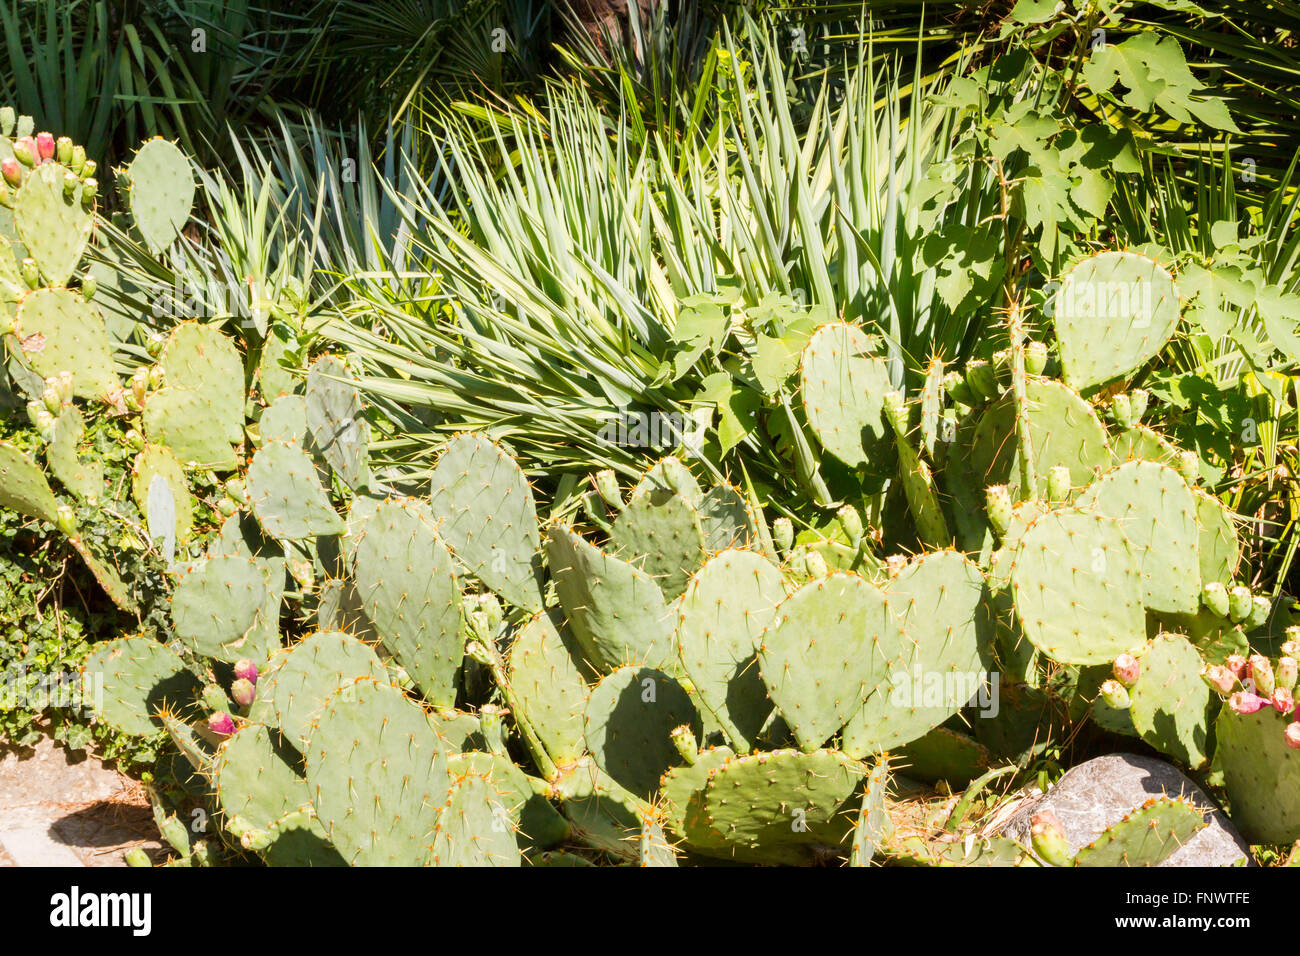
(1155, 73)
(775, 360)
(1280, 312)
(1224, 233)
(1030, 12)
(1029, 132)
(701, 326)
(737, 408)
(967, 263)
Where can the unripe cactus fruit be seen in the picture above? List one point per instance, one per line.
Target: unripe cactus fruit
(135, 856)
(13, 172)
(243, 692)
(88, 168)
(1215, 597)
(1244, 702)
(607, 487)
(1286, 672)
(134, 439)
(31, 273)
(64, 383)
(783, 534)
(246, 670)
(221, 724)
(1189, 466)
(687, 746)
(50, 396)
(235, 491)
(1058, 483)
(1127, 669)
(157, 377)
(851, 522)
(1115, 694)
(998, 503)
(1048, 838)
(227, 507)
(63, 150)
(45, 146)
(25, 151)
(67, 520)
(7, 119)
(1239, 603)
(1122, 409)
(89, 285)
(814, 563)
(1035, 357)
(1139, 399)
(981, 379)
(954, 383)
(1219, 678)
(1260, 608)
(89, 189)
(1261, 672)
(1293, 735)
(1282, 700)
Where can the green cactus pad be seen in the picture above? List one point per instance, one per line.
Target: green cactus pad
(1157, 512)
(54, 229)
(727, 520)
(376, 772)
(843, 384)
(1219, 547)
(538, 824)
(157, 462)
(784, 806)
(1063, 430)
(682, 790)
(1172, 707)
(339, 608)
(202, 358)
(287, 496)
(668, 475)
(216, 606)
(938, 599)
(630, 716)
(1078, 588)
(311, 671)
(336, 418)
(1114, 311)
(161, 192)
(1145, 837)
(473, 826)
(84, 478)
(285, 420)
(23, 487)
(994, 851)
(257, 778)
(194, 426)
(832, 644)
(616, 613)
(274, 380)
(543, 673)
(408, 588)
(873, 823)
(720, 622)
(1141, 443)
(1260, 773)
(489, 518)
(660, 533)
(240, 534)
(653, 847)
(139, 677)
(60, 331)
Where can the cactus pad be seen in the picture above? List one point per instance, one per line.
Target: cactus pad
(287, 496)
(23, 487)
(336, 418)
(1078, 588)
(1172, 706)
(161, 192)
(1146, 837)
(139, 677)
(720, 621)
(831, 645)
(1157, 512)
(408, 588)
(630, 717)
(660, 533)
(376, 772)
(843, 386)
(489, 518)
(542, 672)
(84, 478)
(1114, 311)
(616, 612)
(54, 229)
(60, 331)
(158, 463)
(216, 606)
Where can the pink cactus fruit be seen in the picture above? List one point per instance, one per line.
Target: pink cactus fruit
(13, 171)
(1244, 702)
(1237, 664)
(45, 146)
(221, 724)
(1127, 669)
(1282, 700)
(243, 691)
(1293, 735)
(246, 670)
(1219, 678)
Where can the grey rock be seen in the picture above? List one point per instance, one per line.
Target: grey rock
(1101, 792)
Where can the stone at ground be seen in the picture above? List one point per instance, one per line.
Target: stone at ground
(1101, 792)
(58, 809)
